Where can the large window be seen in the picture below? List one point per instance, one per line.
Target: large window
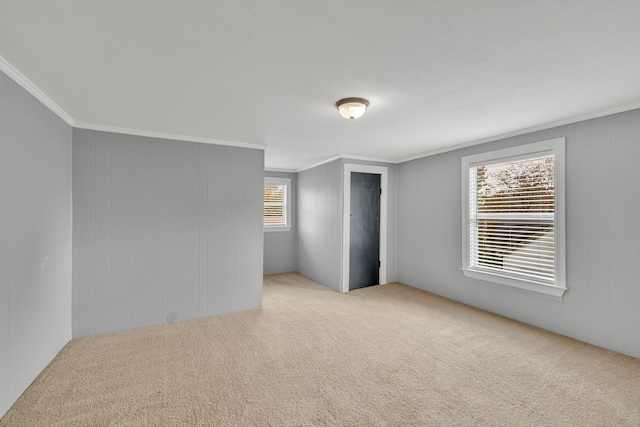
(277, 211)
(513, 217)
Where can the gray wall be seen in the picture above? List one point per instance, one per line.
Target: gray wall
(320, 223)
(35, 238)
(281, 247)
(163, 231)
(603, 238)
(320, 205)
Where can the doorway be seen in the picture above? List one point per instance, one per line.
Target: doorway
(364, 226)
(364, 236)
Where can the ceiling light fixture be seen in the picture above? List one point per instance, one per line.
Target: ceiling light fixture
(352, 108)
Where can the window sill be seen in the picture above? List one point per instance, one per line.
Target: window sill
(277, 228)
(551, 290)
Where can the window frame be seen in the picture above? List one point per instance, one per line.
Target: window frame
(287, 204)
(554, 146)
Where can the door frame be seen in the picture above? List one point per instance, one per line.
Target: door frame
(383, 171)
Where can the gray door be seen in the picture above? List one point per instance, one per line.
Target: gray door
(364, 247)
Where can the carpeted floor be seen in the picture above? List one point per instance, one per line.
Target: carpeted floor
(381, 356)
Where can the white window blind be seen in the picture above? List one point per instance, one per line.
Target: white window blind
(512, 218)
(275, 212)
(276, 204)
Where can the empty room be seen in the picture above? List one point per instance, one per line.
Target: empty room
(336, 213)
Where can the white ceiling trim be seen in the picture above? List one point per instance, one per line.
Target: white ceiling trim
(368, 159)
(162, 135)
(280, 170)
(19, 78)
(563, 122)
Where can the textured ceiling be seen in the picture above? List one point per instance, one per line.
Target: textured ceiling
(437, 73)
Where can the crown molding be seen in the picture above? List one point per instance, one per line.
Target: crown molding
(368, 159)
(280, 170)
(162, 135)
(19, 78)
(347, 157)
(558, 123)
(315, 165)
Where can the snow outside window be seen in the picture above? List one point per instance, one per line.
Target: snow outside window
(513, 217)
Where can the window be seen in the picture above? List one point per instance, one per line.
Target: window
(277, 211)
(513, 217)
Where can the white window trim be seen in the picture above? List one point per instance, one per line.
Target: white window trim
(555, 146)
(287, 183)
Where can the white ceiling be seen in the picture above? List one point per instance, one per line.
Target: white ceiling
(437, 73)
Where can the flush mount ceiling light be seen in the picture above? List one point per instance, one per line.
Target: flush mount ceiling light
(352, 108)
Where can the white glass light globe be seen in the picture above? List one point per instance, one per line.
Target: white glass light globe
(352, 108)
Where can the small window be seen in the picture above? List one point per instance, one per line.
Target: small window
(277, 211)
(513, 217)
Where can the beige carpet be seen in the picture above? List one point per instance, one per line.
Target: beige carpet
(381, 356)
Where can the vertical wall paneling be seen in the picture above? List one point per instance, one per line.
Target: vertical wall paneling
(599, 228)
(203, 192)
(131, 226)
(281, 247)
(216, 205)
(5, 251)
(314, 196)
(570, 316)
(102, 225)
(241, 295)
(431, 204)
(173, 231)
(243, 214)
(304, 198)
(148, 265)
(35, 238)
(229, 197)
(162, 210)
(617, 237)
(116, 278)
(632, 244)
(334, 218)
(175, 249)
(408, 219)
(602, 200)
(84, 233)
(190, 231)
(253, 202)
